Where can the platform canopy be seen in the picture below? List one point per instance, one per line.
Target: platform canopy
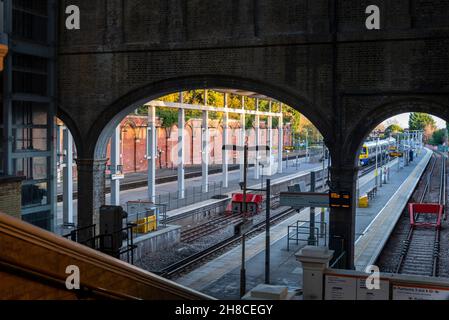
(245, 93)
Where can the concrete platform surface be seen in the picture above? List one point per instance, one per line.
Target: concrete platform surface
(373, 238)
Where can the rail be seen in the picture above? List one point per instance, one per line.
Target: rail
(294, 232)
(183, 264)
(424, 243)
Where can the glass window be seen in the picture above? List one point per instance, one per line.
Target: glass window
(29, 63)
(29, 113)
(26, 82)
(29, 25)
(29, 139)
(31, 168)
(34, 194)
(41, 219)
(34, 6)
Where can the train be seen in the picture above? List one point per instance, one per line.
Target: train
(254, 204)
(368, 152)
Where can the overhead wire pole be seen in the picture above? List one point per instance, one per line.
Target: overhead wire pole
(181, 153)
(307, 146)
(280, 139)
(205, 147)
(257, 133)
(311, 240)
(115, 162)
(270, 138)
(151, 152)
(267, 232)
(324, 166)
(225, 142)
(376, 169)
(67, 178)
(242, 138)
(244, 224)
(244, 213)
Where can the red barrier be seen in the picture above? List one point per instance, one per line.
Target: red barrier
(425, 208)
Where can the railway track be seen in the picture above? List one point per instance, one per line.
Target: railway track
(222, 246)
(420, 251)
(191, 234)
(194, 233)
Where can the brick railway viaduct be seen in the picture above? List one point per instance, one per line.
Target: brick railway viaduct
(315, 55)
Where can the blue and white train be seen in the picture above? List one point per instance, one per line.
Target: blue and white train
(368, 152)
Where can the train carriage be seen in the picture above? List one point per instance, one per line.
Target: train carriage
(368, 152)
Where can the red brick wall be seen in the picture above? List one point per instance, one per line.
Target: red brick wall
(133, 143)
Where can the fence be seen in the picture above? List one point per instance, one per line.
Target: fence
(300, 231)
(192, 195)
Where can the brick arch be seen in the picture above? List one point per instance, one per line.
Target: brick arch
(113, 114)
(387, 110)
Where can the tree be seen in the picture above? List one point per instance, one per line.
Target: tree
(419, 121)
(168, 118)
(438, 137)
(422, 121)
(294, 117)
(393, 129)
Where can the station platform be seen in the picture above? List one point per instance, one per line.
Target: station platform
(138, 179)
(383, 215)
(221, 277)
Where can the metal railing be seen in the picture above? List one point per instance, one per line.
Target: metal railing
(107, 243)
(138, 210)
(88, 231)
(192, 195)
(300, 231)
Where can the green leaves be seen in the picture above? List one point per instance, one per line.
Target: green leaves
(419, 121)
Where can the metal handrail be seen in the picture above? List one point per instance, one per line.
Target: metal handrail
(42, 276)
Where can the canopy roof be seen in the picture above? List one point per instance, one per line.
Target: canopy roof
(245, 93)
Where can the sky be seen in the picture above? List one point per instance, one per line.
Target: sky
(402, 120)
